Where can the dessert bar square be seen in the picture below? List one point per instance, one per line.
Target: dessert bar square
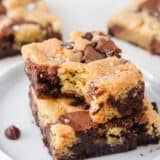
(88, 68)
(70, 134)
(23, 22)
(139, 24)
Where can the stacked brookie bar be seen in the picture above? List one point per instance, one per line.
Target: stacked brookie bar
(25, 21)
(86, 99)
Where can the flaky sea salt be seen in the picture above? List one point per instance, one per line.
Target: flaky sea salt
(31, 6)
(16, 27)
(66, 121)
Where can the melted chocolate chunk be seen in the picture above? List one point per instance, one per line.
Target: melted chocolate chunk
(152, 7)
(108, 47)
(12, 132)
(79, 121)
(155, 47)
(68, 45)
(90, 54)
(88, 36)
(100, 49)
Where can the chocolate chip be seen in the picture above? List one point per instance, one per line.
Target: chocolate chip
(50, 33)
(12, 132)
(155, 47)
(7, 31)
(68, 45)
(85, 106)
(154, 104)
(123, 61)
(115, 29)
(2, 9)
(8, 52)
(6, 49)
(90, 54)
(88, 36)
(7, 41)
(102, 34)
(141, 154)
(108, 47)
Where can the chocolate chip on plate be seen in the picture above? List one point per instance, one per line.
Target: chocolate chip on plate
(12, 132)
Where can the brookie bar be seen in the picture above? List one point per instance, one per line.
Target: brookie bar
(139, 24)
(23, 22)
(88, 68)
(70, 134)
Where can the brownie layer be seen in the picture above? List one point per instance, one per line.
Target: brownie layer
(44, 79)
(118, 135)
(131, 103)
(94, 149)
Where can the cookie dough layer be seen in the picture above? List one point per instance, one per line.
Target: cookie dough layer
(70, 134)
(138, 24)
(88, 68)
(25, 22)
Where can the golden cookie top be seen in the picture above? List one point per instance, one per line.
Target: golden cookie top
(83, 47)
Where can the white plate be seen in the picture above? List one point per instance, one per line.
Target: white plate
(15, 110)
(75, 14)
